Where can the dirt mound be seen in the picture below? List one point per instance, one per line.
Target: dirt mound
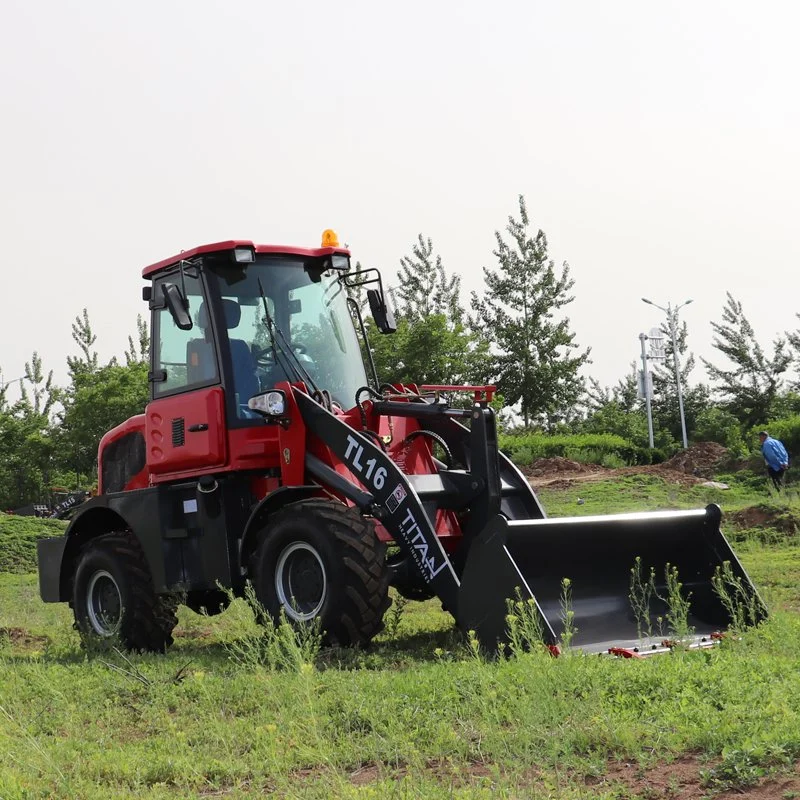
(765, 517)
(559, 466)
(700, 459)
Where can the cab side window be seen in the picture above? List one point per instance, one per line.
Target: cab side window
(187, 358)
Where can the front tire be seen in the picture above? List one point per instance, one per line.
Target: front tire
(113, 596)
(320, 560)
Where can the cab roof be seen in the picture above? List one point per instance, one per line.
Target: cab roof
(216, 247)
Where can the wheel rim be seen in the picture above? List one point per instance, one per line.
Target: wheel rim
(104, 603)
(301, 581)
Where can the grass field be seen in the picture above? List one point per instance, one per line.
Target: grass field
(420, 713)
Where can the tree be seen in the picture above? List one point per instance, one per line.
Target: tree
(94, 404)
(26, 441)
(85, 338)
(794, 342)
(26, 465)
(432, 344)
(139, 351)
(751, 386)
(42, 388)
(99, 398)
(433, 350)
(536, 362)
(423, 286)
(619, 410)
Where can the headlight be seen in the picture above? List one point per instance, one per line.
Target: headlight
(270, 404)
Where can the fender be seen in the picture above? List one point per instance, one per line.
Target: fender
(268, 505)
(105, 514)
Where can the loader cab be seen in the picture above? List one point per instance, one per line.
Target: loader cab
(284, 317)
(233, 320)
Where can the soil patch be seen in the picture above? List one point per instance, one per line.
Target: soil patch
(551, 467)
(677, 780)
(700, 460)
(688, 468)
(682, 779)
(761, 517)
(19, 637)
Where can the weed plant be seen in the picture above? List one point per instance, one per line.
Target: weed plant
(641, 593)
(677, 614)
(394, 616)
(567, 615)
(276, 645)
(743, 605)
(524, 625)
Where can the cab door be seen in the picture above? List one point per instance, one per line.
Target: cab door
(185, 419)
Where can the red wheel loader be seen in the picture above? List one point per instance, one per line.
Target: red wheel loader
(268, 454)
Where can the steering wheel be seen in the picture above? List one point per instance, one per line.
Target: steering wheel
(263, 356)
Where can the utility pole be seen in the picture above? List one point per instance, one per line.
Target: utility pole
(672, 316)
(646, 382)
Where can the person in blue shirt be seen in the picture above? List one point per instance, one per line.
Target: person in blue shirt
(776, 458)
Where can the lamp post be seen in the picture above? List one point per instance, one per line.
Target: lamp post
(672, 315)
(646, 390)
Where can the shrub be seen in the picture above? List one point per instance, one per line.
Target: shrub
(717, 425)
(587, 448)
(18, 537)
(787, 429)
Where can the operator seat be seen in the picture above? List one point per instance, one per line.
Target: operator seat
(243, 365)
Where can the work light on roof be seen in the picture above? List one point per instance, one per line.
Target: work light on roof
(244, 255)
(329, 238)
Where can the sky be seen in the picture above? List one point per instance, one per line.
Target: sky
(656, 145)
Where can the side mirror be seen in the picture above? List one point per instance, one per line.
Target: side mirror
(177, 305)
(381, 313)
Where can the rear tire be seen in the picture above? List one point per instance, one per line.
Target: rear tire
(320, 560)
(113, 597)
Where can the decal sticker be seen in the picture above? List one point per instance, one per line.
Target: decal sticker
(395, 498)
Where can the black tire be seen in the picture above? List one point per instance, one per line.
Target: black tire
(319, 559)
(113, 596)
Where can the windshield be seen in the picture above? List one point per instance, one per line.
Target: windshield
(309, 306)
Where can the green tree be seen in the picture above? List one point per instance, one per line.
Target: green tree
(619, 410)
(27, 448)
(433, 350)
(793, 339)
(748, 389)
(26, 441)
(99, 397)
(715, 424)
(41, 387)
(432, 344)
(94, 404)
(139, 350)
(424, 289)
(536, 358)
(85, 338)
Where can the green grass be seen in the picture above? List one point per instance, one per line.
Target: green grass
(651, 492)
(417, 715)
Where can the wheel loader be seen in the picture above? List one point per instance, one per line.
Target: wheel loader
(269, 455)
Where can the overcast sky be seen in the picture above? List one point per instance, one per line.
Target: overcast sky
(656, 144)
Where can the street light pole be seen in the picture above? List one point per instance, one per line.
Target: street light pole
(672, 315)
(646, 376)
